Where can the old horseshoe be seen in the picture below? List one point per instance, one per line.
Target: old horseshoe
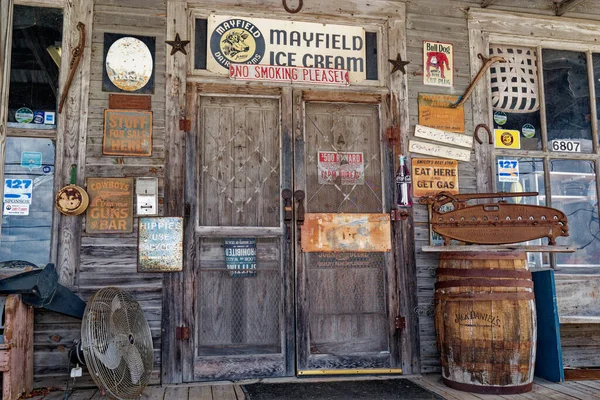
(294, 11)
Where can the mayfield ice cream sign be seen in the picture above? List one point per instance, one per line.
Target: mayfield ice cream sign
(251, 41)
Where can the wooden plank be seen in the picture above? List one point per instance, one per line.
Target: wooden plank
(486, 3)
(6, 14)
(239, 392)
(563, 388)
(72, 130)
(403, 231)
(154, 393)
(177, 392)
(433, 382)
(223, 392)
(176, 69)
(342, 97)
(201, 393)
(565, 5)
(83, 394)
(575, 382)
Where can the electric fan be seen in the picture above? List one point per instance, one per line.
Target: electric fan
(116, 343)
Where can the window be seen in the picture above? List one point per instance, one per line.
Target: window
(29, 163)
(544, 93)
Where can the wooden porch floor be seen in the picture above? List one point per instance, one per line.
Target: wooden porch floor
(542, 390)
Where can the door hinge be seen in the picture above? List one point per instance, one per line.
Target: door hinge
(185, 125)
(400, 323)
(398, 215)
(182, 333)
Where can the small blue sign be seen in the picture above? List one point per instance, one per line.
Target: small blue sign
(240, 257)
(508, 171)
(31, 160)
(47, 169)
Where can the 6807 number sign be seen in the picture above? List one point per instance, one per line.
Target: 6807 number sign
(569, 146)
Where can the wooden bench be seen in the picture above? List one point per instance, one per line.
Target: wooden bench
(16, 352)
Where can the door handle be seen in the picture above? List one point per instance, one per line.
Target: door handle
(288, 211)
(299, 195)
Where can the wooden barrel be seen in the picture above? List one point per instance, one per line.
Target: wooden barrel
(485, 322)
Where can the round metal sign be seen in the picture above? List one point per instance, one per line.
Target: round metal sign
(129, 64)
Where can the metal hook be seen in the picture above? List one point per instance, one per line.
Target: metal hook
(290, 10)
(489, 132)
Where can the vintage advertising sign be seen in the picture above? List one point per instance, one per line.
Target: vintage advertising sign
(430, 149)
(18, 191)
(16, 209)
(273, 73)
(435, 112)
(31, 160)
(507, 139)
(254, 41)
(508, 171)
(456, 139)
(130, 102)
(160, 244)
(346, 232)
(127, 133)
(431, 176)
(350, 166)
(240, 257)
(111, 205)
(438, 64)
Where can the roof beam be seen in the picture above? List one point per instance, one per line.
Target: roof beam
(562, 7)
(485, 3)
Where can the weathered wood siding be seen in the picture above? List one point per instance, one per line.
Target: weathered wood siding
(110, 259)
(446, 21)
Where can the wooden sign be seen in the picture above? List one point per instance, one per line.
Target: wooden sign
(430, 149)
(346, 232)
(129, 102)
(438, 64)
(160, 244)
(127, 133)
(431, 176)
(435, 112)
(111, 205)
(456, 139)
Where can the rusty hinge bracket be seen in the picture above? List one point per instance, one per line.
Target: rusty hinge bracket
(185, 125)
(182, 333)
(393, 134)
(400, 323)
(398, 215)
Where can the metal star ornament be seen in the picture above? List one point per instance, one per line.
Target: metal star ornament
(177, 44)
(399, 64)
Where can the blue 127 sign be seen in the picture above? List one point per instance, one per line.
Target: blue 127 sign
(18, 191)
(508, 171)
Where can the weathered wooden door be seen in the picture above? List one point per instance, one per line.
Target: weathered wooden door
(346, 301)
(237, 295)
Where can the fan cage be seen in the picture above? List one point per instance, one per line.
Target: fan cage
(117, 343)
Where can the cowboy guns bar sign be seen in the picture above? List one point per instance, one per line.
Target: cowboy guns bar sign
(255, 41)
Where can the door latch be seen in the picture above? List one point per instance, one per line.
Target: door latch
(182, 333)
(400, 323)
(288, 210)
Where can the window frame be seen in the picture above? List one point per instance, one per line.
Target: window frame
(488, 27)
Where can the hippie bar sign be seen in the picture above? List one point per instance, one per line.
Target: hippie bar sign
(111, 205)
(127, 133)
(160, 244)
(255, 41)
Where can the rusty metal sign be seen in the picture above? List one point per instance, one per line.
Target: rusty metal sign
(494, 223)
(346, 232)
(160, 244)
(435, 112)
(127, 133)
(111, 205)
(130, 102)
(432, 175)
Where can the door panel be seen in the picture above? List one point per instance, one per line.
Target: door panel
(342, 306)
(237, 314)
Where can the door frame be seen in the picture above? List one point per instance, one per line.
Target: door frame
(194, 92)
(370, 97)
(391, 18)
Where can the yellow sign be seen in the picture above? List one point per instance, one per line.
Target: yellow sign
(507, 139)
(431, 176)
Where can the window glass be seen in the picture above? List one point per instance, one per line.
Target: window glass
(566, 90)
(574, 193)
(28, 200)
(35, 62)
(523, 174)
(515, 93)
